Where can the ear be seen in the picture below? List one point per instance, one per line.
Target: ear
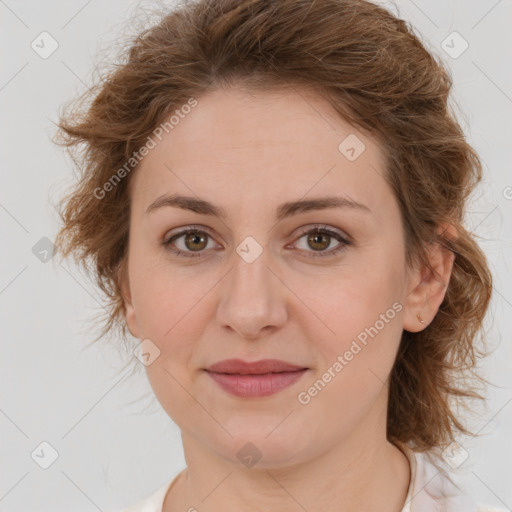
(129, 311)
(426, 290)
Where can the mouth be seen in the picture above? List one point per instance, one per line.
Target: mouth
(232, 366)
(255, 379)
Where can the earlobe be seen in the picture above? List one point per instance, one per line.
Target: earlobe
(429, 286)
(129, 311)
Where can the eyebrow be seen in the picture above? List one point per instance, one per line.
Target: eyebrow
(284, 210)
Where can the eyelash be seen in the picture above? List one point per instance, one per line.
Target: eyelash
(314, 230)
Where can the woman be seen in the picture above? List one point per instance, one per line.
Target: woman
(272, 199)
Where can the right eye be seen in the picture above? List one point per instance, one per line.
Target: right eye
(193, 243)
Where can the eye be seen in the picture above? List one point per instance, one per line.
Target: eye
(193, 243)
(319, 238)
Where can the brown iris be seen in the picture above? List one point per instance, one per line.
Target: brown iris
(194, 238)
(315, 239)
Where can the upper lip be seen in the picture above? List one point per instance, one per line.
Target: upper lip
(254, 368)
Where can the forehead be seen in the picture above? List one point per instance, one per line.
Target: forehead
(267, 147)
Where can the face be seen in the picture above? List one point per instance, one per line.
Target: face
(249, 278)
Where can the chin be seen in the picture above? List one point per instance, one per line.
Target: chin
(255, 448)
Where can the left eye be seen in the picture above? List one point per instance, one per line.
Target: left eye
(317, 238)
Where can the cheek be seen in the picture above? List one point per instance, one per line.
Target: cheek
(356, 298)
(361, 311)
(356, 360)
(170, 312)
(166, 300)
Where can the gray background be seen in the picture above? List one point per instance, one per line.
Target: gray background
(115, 444)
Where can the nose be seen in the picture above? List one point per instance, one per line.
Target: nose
(253, 298)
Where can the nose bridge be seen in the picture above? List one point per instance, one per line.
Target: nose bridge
(252, 298)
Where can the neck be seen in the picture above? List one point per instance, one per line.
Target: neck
(350, 477)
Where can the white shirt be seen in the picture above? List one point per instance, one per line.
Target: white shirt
(429, 491)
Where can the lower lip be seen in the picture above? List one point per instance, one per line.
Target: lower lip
(252, 386)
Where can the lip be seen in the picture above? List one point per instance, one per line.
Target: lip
(253, 368)
(254, 379)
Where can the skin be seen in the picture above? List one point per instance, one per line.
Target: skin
(248, 153)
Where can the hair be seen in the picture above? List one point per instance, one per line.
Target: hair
(371, 67)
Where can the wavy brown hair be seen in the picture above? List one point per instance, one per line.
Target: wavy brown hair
(377, 74)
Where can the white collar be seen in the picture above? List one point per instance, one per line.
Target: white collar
(430, 490)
